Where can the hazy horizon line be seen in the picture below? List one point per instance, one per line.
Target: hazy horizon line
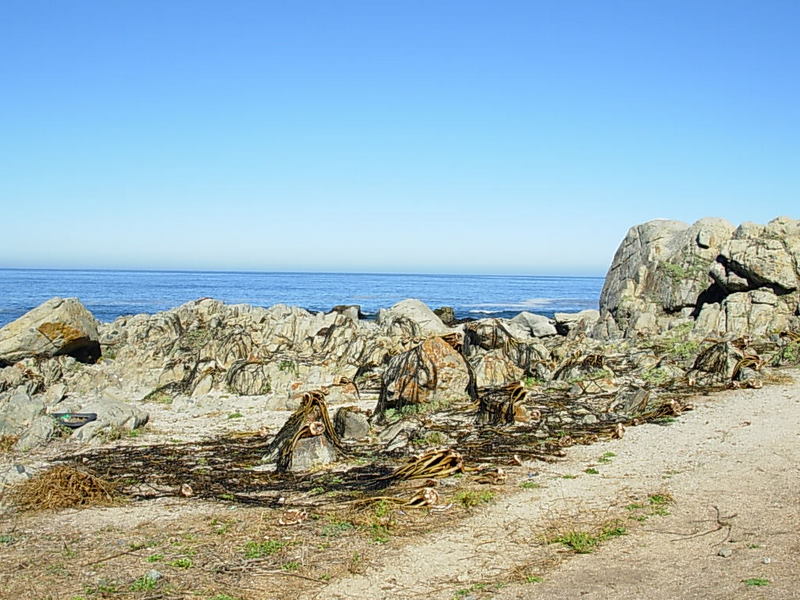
(298, 272)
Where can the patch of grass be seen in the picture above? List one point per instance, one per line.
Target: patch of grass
(753, 546)
(664, 421)
(222, 597)
(254, 549)
(379, 533)
(155, 558)
(181, 563)
(235, 415)
(592, 471)
(159, 397)
(290, 566)
(7, 539)
(789, 354)
(533, 579)
(569, 477)
(145, 582)
(606, 457)
(336, 528)
(655, 376)
(530, 485)
(585, 542)
(103, 588)
(433, 438)
(659, 502)
(472, 498)
(755, 582)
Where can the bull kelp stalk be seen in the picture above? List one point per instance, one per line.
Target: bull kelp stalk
(309, 420)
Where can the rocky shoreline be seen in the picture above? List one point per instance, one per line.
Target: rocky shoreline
(683, 308)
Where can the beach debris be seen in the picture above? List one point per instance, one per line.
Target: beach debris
(431, 464)
(503, 405)
(186, 490)
(293, 516)
(493, 476)
(62, 487)
(308, 437)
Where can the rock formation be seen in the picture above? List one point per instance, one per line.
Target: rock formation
(59, 326)
(720, 279)
(670, 288)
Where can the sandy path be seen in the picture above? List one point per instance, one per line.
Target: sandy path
(738, 451)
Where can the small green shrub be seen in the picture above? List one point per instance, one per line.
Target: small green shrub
(262, 549)
(181, 563)
(145, 582)
(471, 498)
(756, 582)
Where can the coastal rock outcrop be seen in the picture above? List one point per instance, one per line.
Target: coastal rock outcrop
(432, 373)
(723, 280)
(58, 326)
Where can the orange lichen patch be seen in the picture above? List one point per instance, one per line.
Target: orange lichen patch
(62, 487)
(54, 331)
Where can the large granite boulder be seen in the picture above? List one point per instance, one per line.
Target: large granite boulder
(58, 326)
(412, 318)
(725, 280)
(433, 373)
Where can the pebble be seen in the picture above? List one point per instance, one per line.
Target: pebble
(154, 575)
(766, 560)
(725, 552)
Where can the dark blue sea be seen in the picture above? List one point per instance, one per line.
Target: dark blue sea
(109, 294)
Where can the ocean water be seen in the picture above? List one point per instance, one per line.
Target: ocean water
(109, 294)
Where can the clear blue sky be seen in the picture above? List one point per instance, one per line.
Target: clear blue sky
(418, 136)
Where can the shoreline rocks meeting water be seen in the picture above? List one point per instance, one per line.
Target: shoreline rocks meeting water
(683, 306)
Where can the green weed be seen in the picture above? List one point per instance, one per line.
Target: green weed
(471, 498)
(262, 549)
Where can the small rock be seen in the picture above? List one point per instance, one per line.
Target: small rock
(351, 424)
(766, 560)
(154, 575)
(725, 553)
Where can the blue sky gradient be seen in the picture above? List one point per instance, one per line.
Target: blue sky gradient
(416, 136)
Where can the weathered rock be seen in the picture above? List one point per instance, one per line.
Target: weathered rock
(111, 414)
(576, 323)
(411, 318)
(535, 325)
(446, 314)
(312, 452)
(18, 411)
(352, 311)
(494, 368)
(351, 424)
(399, 435)
(13, 474)
(58, 326)
(734, 282)
(431, 373)
(38, 434)
(249, 378)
